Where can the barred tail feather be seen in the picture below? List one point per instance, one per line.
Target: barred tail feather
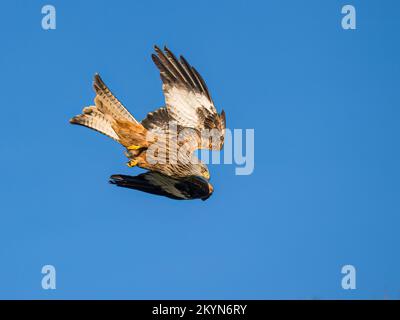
(110, 117)
(94, 119)
(108, 103)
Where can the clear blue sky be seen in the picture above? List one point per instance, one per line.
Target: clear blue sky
(325, 106)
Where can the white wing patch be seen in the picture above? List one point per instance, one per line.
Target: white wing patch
(182, 104)
(187, 98)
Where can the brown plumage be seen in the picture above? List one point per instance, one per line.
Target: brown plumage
(188, 104)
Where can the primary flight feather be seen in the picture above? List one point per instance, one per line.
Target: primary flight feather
(188, 104)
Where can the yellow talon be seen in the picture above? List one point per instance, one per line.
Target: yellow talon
(134, 147)
(132, 163)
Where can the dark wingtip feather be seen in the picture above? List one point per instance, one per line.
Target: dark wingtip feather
(165, 74)
(154, 57)
(98, 83)
(157, 49)
(202, 83)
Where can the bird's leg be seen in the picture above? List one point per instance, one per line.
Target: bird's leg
(133, 147)
(132, 163)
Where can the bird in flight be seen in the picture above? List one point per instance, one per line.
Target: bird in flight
(166, 140)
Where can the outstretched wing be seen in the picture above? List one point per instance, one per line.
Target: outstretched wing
(187, 98)
(162, 185)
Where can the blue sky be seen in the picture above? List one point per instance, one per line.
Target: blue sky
(324, 103)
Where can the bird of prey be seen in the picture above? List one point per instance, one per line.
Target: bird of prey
(188, 105)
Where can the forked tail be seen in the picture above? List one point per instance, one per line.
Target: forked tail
(109, 117)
